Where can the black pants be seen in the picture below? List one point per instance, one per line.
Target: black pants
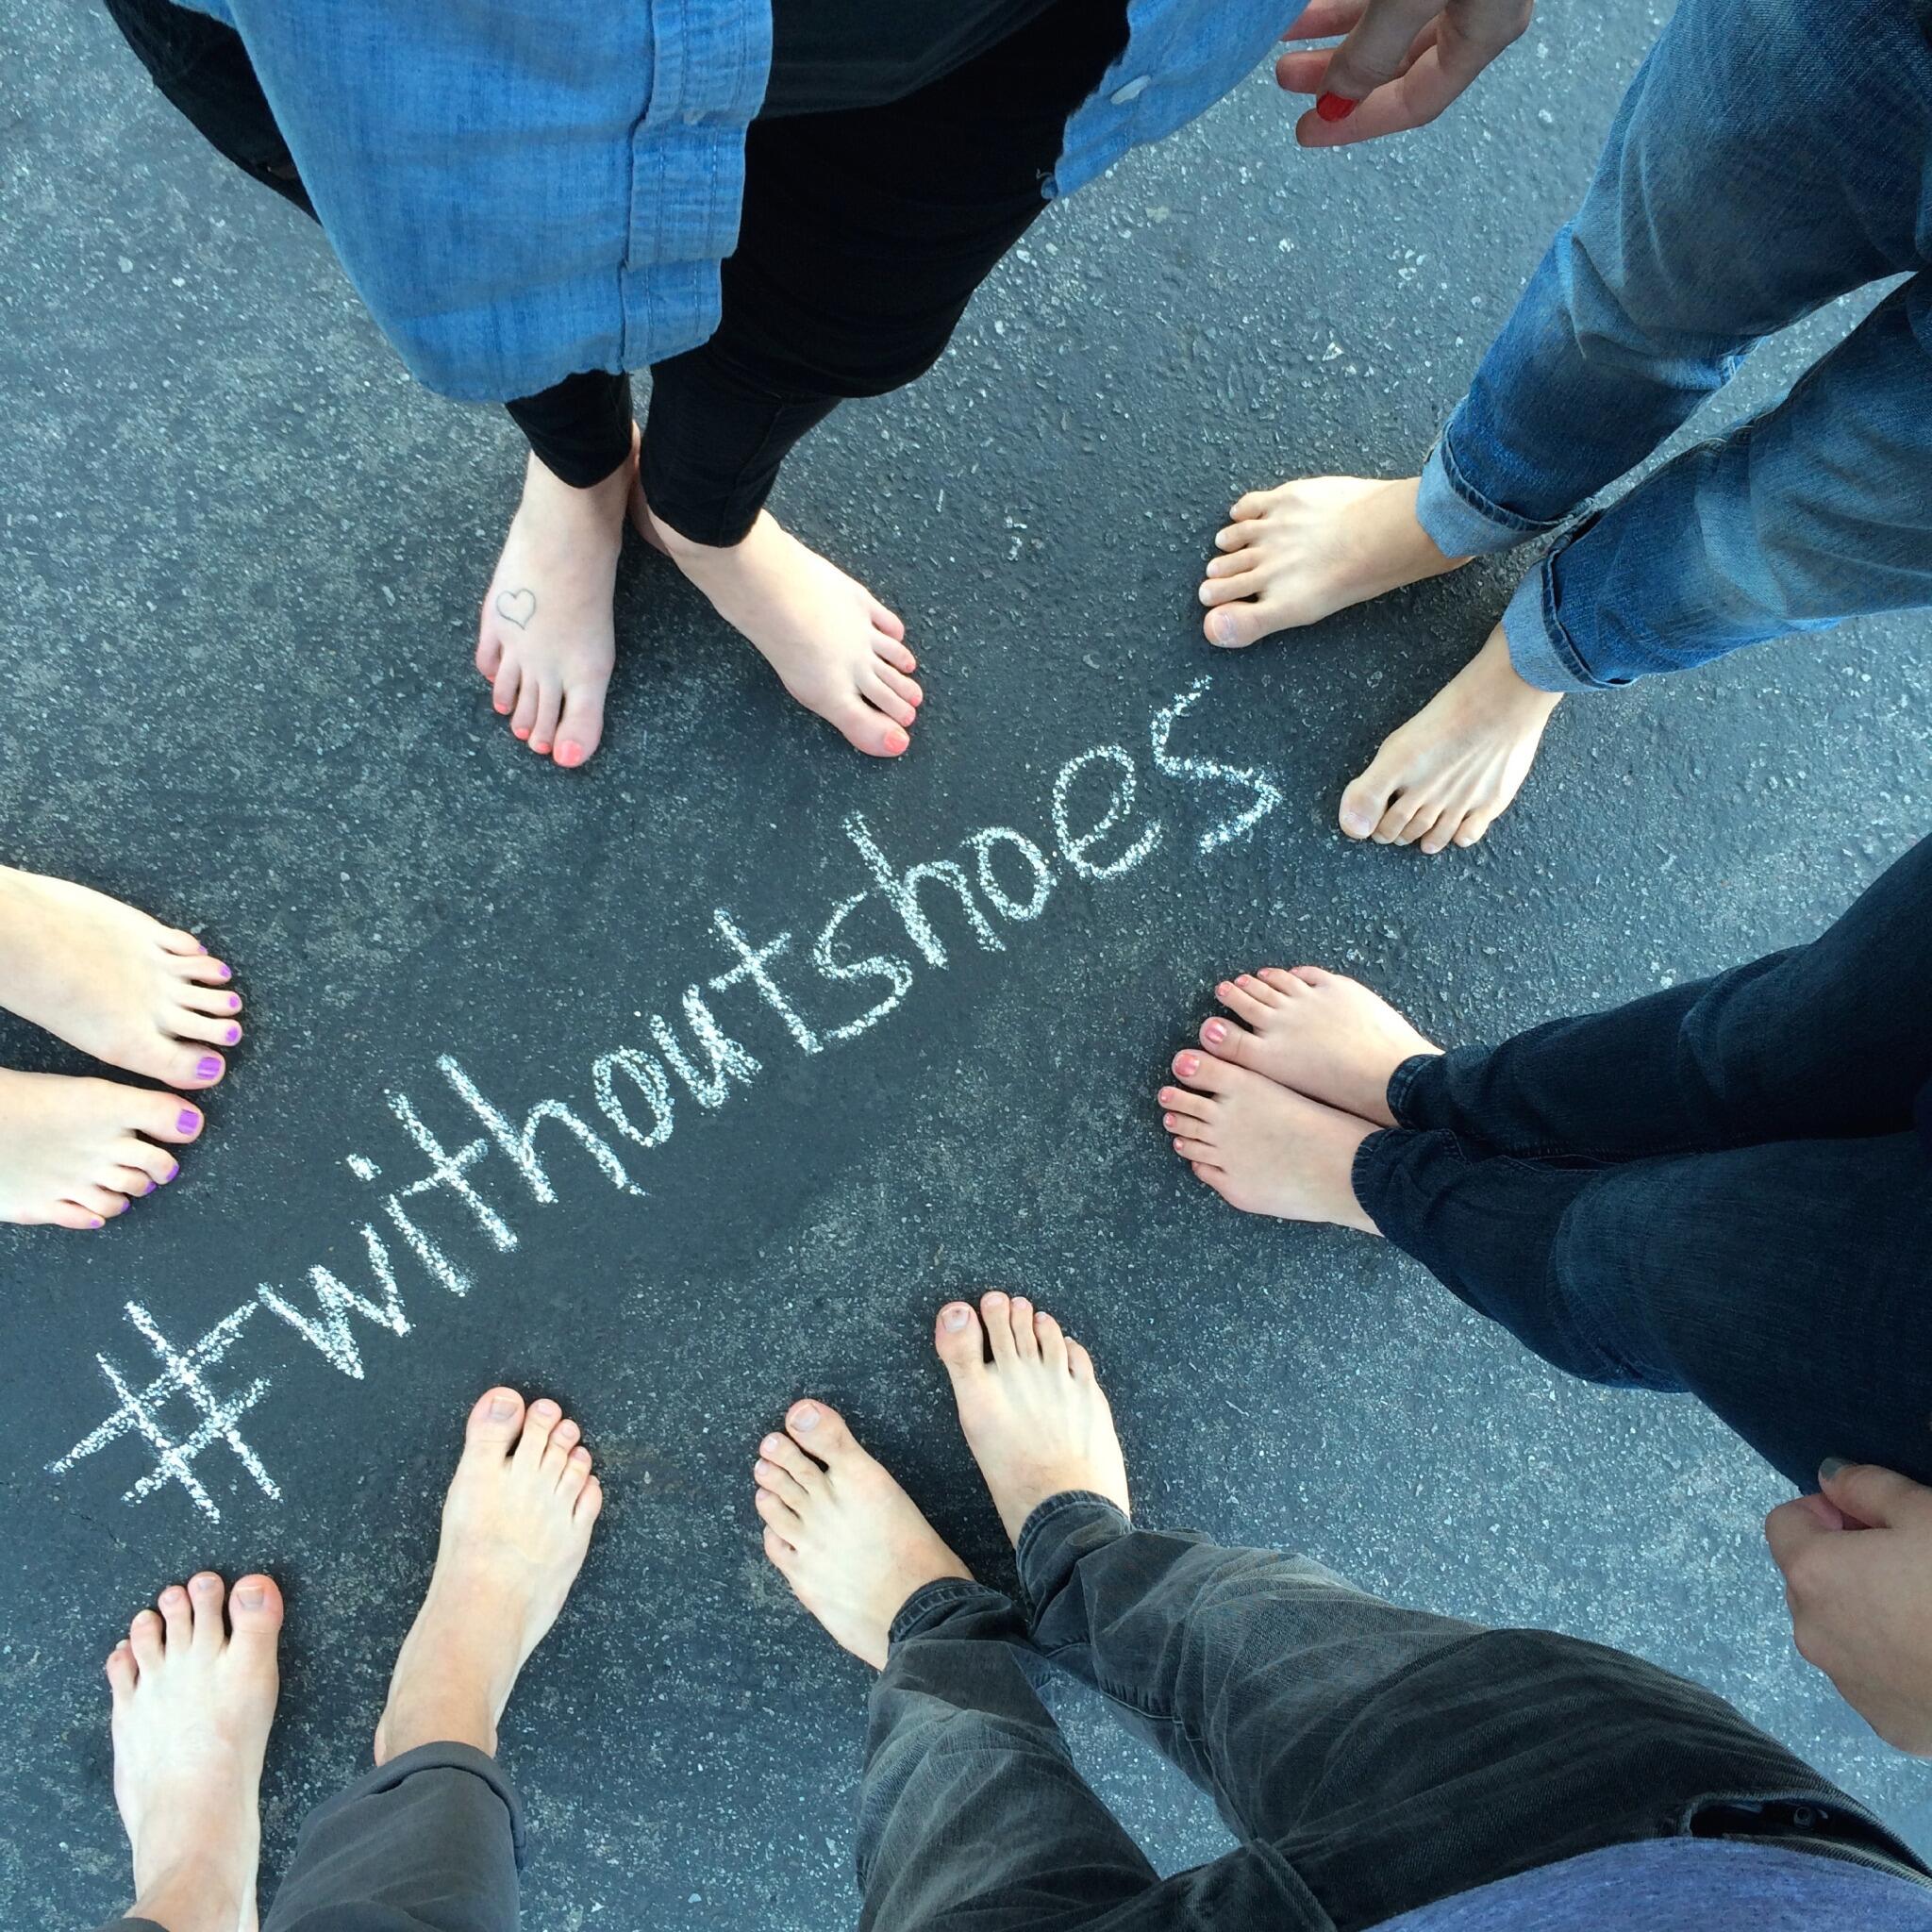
(1717, 1189)
(863, 235)
(429, 1842)
(1370, 1758)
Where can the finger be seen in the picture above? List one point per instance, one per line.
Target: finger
(1791, 1529)
(1872, 1497)
(1409, 99)
(1376, 49)
(1322, 19)
(1306, 71)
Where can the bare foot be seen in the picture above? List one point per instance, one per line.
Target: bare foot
(836, 648)
(193, 1699)
(1264, 1148)
(112, 982)
(847, 1538)
(1320, 1033)
(1302, 552)
(76, 1151)
(547, 641)
(515, 1526)
(1446, 775)
(1034, 1416)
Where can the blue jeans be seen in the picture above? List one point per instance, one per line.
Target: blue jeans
(1369, 1758)
(1717, 1189)
(1769, 156)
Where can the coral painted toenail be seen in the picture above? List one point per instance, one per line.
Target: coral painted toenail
(207, 1067)
(805, 1417)
(570, 753)
(187, 1124)
(520, 731)
(1215, 1031)
(956, 1316)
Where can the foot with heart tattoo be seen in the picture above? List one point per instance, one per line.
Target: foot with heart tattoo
(547, 641)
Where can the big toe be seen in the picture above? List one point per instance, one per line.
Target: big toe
(1234, 626)
(816, 1426)
(496, 1420)
(1365, 801)
(254, 1608)
(869, 730)
(580, 729)
(960, 1339)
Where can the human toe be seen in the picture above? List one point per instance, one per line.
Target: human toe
(819, 1428)
(960, 1339)
(496, 1420)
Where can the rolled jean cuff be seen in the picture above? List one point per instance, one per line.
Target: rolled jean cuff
(1457, 517)
(1401, 1082)
(1540, 652)
(1372, 1158)
(1057, 1534)
(447, 1756)
(933, 1604)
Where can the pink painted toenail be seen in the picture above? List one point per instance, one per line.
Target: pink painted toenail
(1215, 1031)
(805, 1417)
(187, 1123)
(501, 710)
(520, 731)
(570, 753)
(1188, 1066)
(956, 1316)
(1168, 1120)
(540, 746)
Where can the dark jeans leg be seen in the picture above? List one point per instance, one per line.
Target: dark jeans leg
(863, 237)
(1388, 1757)
(1827, 1039)
(972, 1812)
(1782, 1284)
(430, 1842)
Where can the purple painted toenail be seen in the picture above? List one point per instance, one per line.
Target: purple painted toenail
(208, 1066)
(173, 1168)
(150, 1187)
(188, 1123)
(234, 1034)
(234, 1003)
(227, 972)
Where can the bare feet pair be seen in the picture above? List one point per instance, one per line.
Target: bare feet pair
(547, 641)
(850, 1542)
(1277, 1100)
(1297, 554)
(194, 1681)
(131, 992)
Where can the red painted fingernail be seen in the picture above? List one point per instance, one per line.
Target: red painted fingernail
(1334, 108)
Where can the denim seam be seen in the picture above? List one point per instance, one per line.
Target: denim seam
(941, 1593)
(1044, 1512)
(1554, 634)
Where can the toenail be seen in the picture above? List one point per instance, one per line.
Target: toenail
(250, 1596)
(956, 1316)
(1168, 1120)
(175, 1166)
(1188, 1066)
(234, 1002)
(1215, 1031)
(188, 1122)
(96, 1221)
(234, 1034)
(208, 1066)
(502, 1407)
(227, 972)
(203, 1584)
(805, 1417)
(769, 1446)
(150, 1187)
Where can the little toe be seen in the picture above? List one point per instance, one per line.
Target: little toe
(819, 1428)
(1291, 983)
(995, 1313)
(176, 939)
(1052, 1340)
(1473, 827)
(1252, 505)
(72, 1214)
(496, 1420)
(786, 1454)
(1080, 1363)
(589, 1504)
(121, 1670)
(960, 1339)
(778, 1552)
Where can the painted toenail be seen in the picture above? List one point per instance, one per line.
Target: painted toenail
(173, 1166)
(208, 1066)
(956, 1316)
(188, 1122)
(250, 1596)
(234, 1003)
(97, 1222)
(234, 1033)
(1168, 1120)
(805, 1417)
(1215, 1031)
(502, 1407)
(227, 972)
(570, 753)
(1188, 1066)
(149, 1189)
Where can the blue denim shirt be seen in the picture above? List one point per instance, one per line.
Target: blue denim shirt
(521, 189)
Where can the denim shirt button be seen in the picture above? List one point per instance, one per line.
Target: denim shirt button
(1132, 92)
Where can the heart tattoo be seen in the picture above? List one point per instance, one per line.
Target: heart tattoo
(516, 607)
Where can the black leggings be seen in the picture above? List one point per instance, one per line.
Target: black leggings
(864, 234)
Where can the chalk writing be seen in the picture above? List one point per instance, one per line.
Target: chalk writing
(634, 1087)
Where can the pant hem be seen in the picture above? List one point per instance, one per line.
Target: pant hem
(444, 1757)
(1457, 517)
(1540, 652)
(931, 1603)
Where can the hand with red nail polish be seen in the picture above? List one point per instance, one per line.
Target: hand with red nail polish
(1400, 63)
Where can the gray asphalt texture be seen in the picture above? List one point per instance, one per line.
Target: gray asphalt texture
(246, 554)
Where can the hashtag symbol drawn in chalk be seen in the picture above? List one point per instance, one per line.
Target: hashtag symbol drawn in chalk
(183, 1380)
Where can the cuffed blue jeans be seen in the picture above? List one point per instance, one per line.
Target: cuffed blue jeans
(1718, 1189)
(1769, 156)
(1369, 1758)
(430, 1842)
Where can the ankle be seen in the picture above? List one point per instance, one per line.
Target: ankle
(1494, 666)
(189, 1895)
(551, 503)
(438, 1714)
